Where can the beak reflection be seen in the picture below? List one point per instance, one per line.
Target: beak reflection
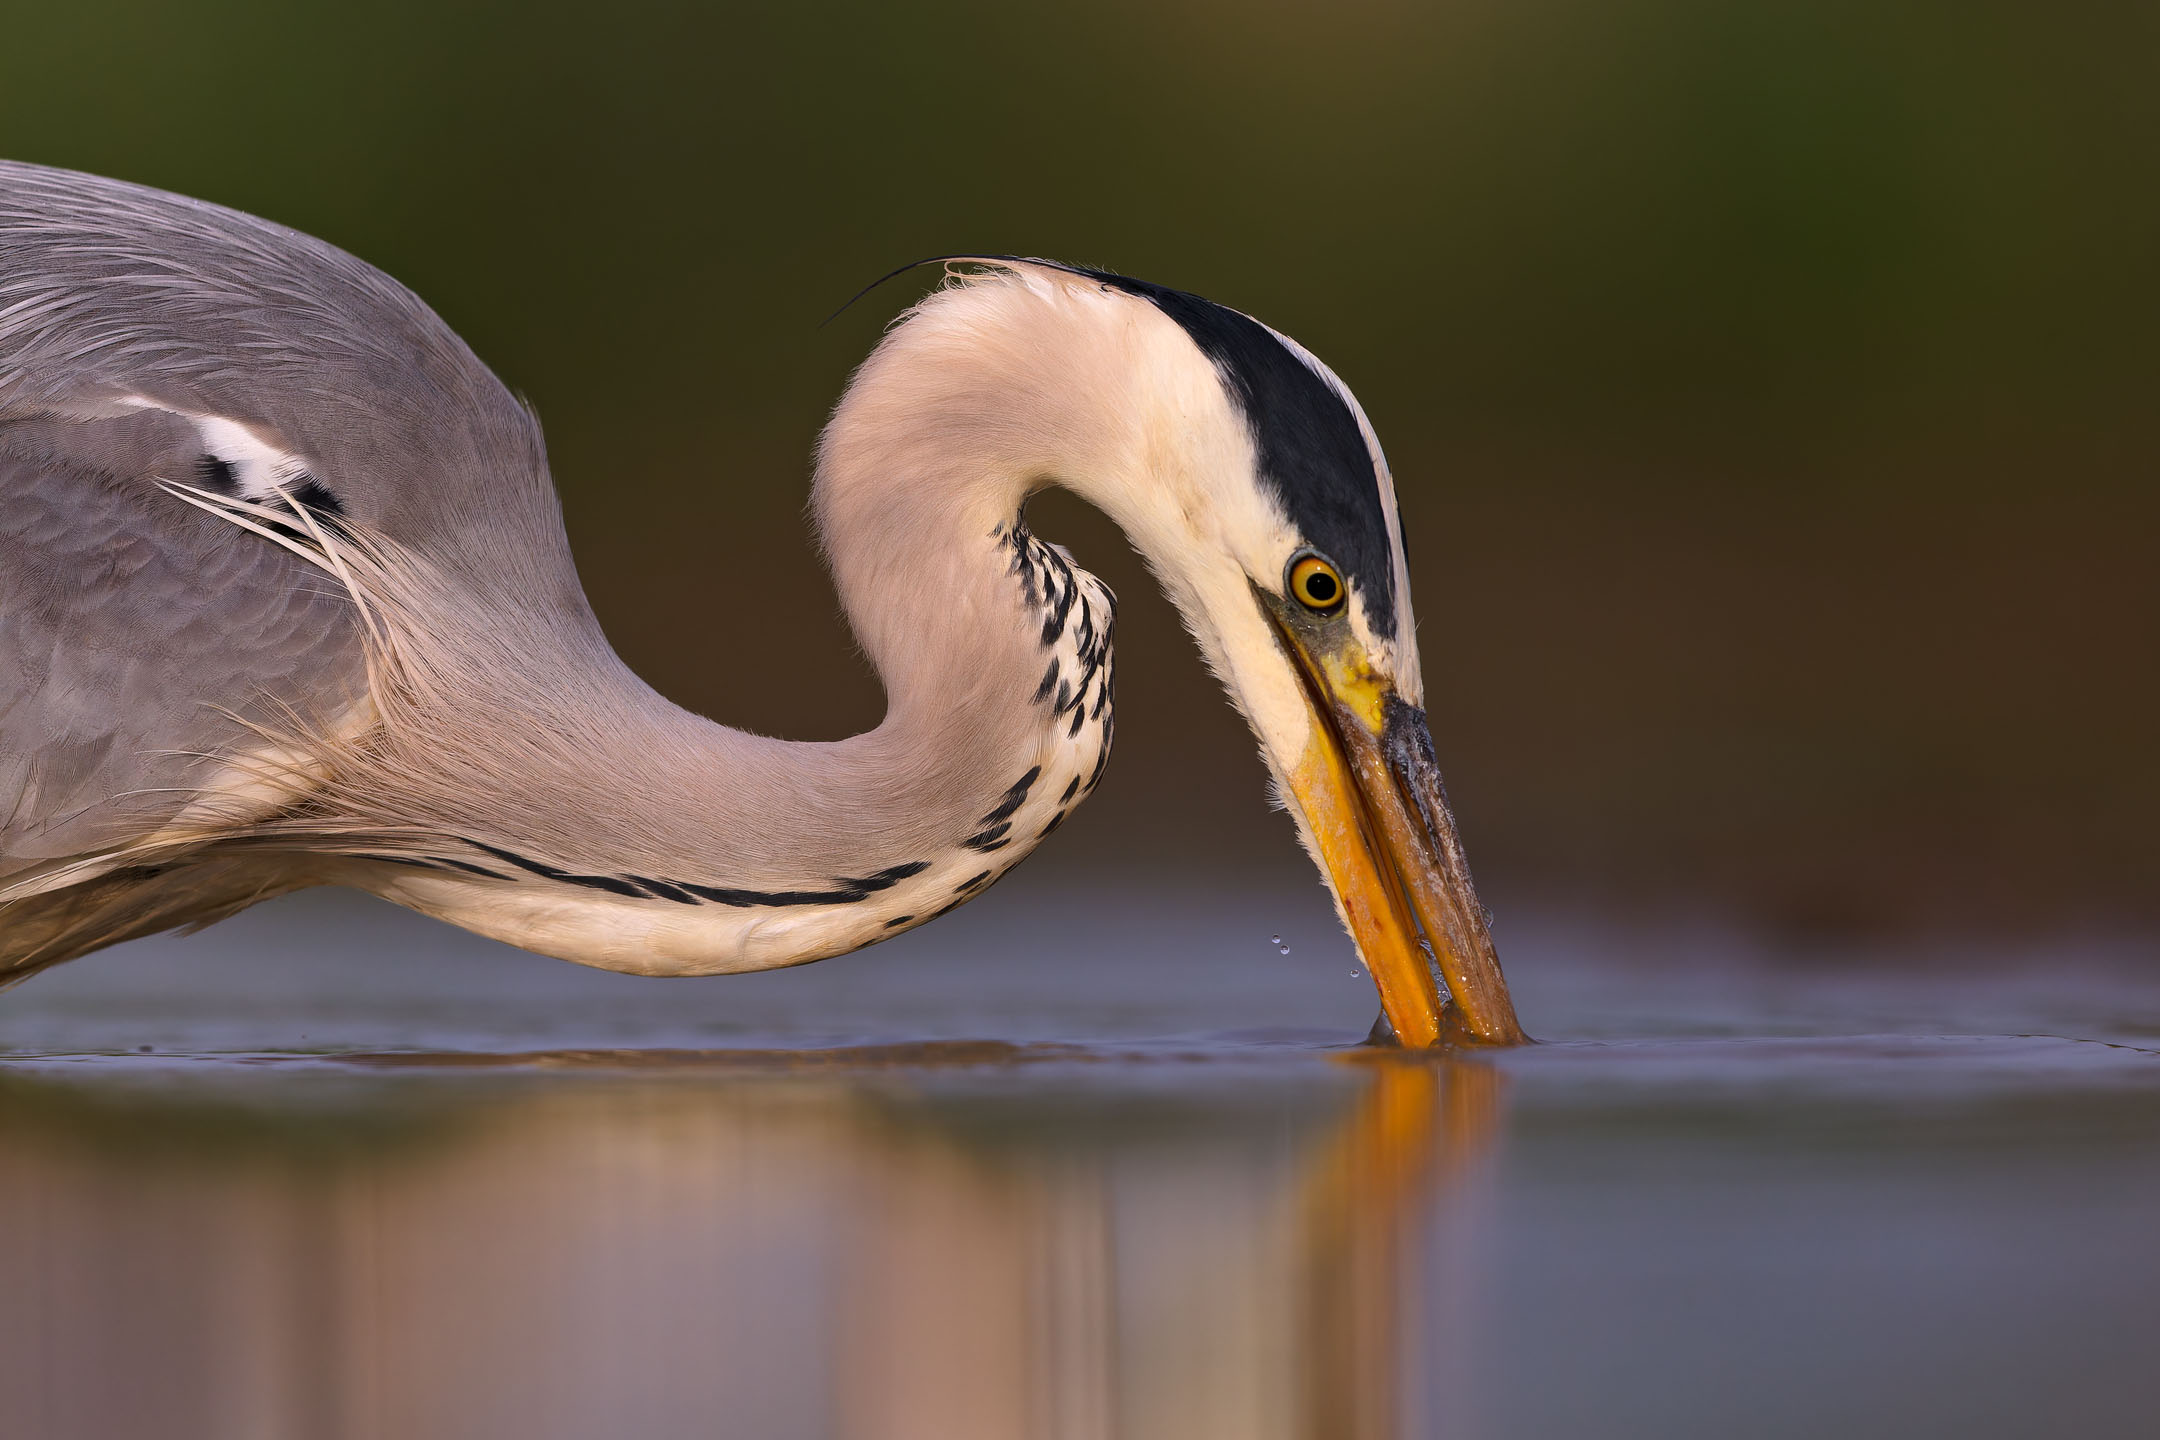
(1371, 794)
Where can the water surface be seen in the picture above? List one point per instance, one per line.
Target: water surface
(1052, 1169)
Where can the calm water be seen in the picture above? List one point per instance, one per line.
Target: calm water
(1079, 1169)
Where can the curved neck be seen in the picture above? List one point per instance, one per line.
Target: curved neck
(994, 651)
(993, 648)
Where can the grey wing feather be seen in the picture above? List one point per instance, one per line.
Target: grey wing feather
(113, 295)
(133, 630)
(132, 625)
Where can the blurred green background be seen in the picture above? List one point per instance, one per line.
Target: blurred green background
(1769, 382)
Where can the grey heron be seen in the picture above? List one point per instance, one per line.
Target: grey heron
(286, 600)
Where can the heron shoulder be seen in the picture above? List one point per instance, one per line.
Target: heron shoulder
(115, 295)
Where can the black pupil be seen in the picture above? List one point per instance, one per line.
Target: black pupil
(1320, 588)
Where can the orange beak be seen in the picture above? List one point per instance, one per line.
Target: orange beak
(1373, 802)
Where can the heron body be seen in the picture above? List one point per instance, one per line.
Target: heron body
(285, 600)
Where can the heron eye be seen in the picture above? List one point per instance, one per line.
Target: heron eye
(1315, 584)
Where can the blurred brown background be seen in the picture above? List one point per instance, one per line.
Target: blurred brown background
(1769, 384)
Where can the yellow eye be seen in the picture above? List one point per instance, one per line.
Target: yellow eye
(1315, 584)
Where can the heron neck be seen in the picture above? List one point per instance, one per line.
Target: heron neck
(642, 837)
(989, 645)
(992, 647)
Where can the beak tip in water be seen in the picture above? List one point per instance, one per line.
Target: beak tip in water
(1370, 793)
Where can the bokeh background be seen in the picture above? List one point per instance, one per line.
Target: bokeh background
(1769, 384)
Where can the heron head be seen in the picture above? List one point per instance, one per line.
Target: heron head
(1248, 477)
(1270, 514)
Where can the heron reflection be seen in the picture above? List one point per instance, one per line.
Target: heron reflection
(878, 1255)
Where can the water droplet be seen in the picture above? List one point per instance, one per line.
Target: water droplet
(1284, 948)
(1275, 939)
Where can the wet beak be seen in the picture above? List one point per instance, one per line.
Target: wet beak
(1371, 795)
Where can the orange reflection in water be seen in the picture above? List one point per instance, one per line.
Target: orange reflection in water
(1419, 1128)
(879, 1254)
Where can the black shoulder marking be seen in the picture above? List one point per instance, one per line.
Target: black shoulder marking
(1102, 757)
(612, 884)
(417, 862)
(1070, 790)
(989, 839)
(1024, 568)
(884, 879)
(1055, 821)
(436, 862)
(1054, 624)
(973, 882)
(846, 890)
(606, 882)
(213, 473)
(471, 869)
(744, 898)
(1049, 680)
(1055, 558)
(314, 495)
(1312, 452)
(897, 921)
(664, 890)
(740, 899)
(1015, 797)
